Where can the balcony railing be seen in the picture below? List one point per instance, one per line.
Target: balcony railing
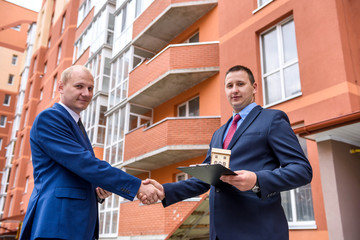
(165, 19)
(168, 141)
(174, 70)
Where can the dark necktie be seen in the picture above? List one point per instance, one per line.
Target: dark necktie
(81, 126)
(231, 131)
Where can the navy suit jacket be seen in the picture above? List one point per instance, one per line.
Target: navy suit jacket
(63, 203)
(265, 144)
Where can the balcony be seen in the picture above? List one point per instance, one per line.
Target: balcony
(167, 142)
(165, 19)
(174, 70)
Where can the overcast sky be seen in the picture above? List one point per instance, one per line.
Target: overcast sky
(34, 5)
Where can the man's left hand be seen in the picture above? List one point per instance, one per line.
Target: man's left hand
(244, 180)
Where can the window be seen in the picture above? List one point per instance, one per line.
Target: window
(139, 116)
(181, 176)
(14, 59)
(2, 121)
(49, 42)
(280, 68)
(30, 90)
(45, 67)
(7, 99)
(262, 3)
(63, 24)
(119, 79)
(109, 215)
(59, 55)
(193, 39)
(17, 28)
(54, 87)
(298, 204)
(26, 185)
(189, 108)
(1, 143)
(41, 93)
(11, 79)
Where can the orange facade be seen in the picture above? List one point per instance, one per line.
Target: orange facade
(324, 112)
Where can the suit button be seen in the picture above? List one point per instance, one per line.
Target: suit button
(217, 189)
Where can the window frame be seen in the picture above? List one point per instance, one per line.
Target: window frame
(3, 120)
(186, 104)
(14, 59)
(11, 79)
(7, 100)
(282, 64)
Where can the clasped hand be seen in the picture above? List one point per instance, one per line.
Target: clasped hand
(150, 191)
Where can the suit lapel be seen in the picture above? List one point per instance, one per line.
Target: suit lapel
(84, 139)
(245, 124)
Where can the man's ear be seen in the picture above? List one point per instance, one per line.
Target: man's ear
(60, 86)
(255, 88)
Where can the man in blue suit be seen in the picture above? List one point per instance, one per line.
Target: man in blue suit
(63, 204)
(267, 158)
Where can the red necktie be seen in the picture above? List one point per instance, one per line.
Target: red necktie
(231, 131)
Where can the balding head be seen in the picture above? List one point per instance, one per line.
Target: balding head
(66, 74)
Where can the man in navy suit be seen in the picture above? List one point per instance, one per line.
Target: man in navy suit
(267, 158)
(63, 204)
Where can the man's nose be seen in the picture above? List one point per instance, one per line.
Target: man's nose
(86, 92)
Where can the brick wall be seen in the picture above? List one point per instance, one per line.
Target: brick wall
(174, 58)
(179, 131)
(137, 219)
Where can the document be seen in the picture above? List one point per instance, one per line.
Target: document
(209, 173)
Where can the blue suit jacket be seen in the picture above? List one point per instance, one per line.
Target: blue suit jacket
(263, 143)
(63, 203)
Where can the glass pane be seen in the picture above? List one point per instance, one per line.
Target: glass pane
(286, 204)
(120, 151)
(120, 74)
(101, 135)
(107, 222)
(102, 118)
(182, 111)
(107, 66)
(289, 41)
(272, 88)
(133, 122)
(270, 51)
(304, 204)
(114, 221)
(105, 84)
(194, 38)
(124, 90)
(109, 202)
(194, 107)
(113, 154)
(113, 77)
(263, 2)
(108, 134)
(122, 123)
(116, 127)
(107, 154)
(101, 227)
(111, 21)
(292, 80)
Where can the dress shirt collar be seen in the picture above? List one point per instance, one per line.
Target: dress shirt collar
(73, 114)
(245, 111)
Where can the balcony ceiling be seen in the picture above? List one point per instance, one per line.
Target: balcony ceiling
(349, 134)
(164, 156)
(170, 85)
(170, 23)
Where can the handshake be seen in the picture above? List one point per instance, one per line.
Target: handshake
(150, 192)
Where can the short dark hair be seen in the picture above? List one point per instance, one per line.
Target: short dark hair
(242, 68)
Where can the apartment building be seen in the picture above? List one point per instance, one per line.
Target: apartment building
(159, 67)
(16, 28)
